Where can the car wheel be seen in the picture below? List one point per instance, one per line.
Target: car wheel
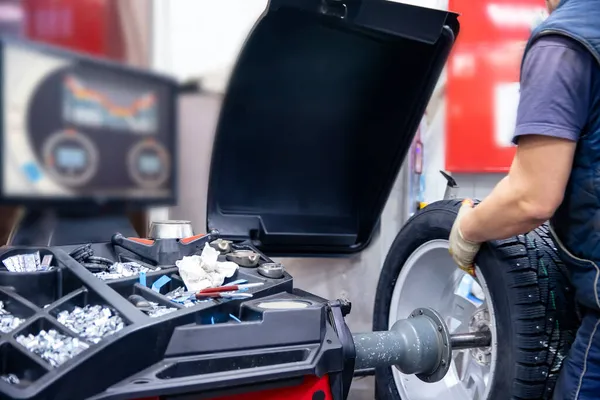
(521, 294)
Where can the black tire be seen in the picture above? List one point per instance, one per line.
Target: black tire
(529, 288)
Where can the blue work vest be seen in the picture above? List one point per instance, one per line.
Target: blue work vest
(577, 221)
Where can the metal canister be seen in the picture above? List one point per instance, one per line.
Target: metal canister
(172, 229)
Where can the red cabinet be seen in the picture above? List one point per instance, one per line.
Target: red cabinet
(89, 26)
(79, 24)
(482, 82)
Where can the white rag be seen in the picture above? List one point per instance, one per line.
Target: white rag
(204, 271)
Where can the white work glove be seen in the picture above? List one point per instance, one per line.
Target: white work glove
(463, 251)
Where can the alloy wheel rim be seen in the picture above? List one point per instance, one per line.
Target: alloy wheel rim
(430, 278)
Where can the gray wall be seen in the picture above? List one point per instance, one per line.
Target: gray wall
(477, 186)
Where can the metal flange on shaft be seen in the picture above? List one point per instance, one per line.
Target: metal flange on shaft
(420, 344)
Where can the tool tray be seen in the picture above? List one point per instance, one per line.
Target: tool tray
(210, 347)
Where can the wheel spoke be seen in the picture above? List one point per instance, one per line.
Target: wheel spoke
(473, 377)
(461, 362)
(459, 314)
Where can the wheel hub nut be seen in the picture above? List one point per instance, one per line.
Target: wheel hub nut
(480, 322)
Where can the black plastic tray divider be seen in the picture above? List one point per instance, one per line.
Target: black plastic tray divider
(120, 304)
(18, 361)
(155, 297)
(34, 326)
(39, 287)
(64, 329)
(24, 307)
(67, 282)
(117, 283)
(173, 284)
(65, 299)
(80, 298)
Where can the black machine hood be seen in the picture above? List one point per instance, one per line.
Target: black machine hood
(320, 112)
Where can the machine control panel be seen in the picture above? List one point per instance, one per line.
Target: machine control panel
(78, 128)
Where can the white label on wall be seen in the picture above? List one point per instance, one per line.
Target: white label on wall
(506, 103)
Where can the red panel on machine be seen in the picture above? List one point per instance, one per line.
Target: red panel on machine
(312, 388)
(482, 86)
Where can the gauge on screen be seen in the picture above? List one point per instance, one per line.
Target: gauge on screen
(149, 164)
(70, 158)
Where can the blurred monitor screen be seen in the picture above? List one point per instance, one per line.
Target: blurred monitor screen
(75, 128)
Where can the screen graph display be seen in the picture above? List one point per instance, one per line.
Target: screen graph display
(105, 106)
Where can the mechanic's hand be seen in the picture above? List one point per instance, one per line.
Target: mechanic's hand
(463, 251)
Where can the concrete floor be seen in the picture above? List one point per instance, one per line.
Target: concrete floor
(362, 389)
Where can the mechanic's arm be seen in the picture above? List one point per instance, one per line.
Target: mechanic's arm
(553, 110)
(528, 196)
